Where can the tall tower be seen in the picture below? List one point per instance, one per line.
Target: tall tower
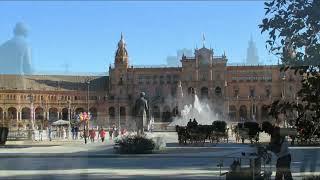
(118, 75)
(252, 54)
(121, 58)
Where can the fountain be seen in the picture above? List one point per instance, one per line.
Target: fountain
(200, 110)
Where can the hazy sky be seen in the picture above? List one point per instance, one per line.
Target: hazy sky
(85, 34)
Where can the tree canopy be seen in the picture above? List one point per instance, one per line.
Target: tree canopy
(294, 36)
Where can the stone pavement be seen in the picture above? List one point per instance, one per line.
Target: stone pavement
(76, 160)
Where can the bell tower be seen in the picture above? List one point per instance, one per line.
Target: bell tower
(121, 57)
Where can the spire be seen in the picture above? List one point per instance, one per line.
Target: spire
(203, 39)
(121, 43)
(121, 53)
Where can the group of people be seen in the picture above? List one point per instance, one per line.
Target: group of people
(101, 134)
(92, 134)
(57, 132)
(193, 123)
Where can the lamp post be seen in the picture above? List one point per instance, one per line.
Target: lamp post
(119, 114)
(31, 111)
(228, 99)
(69, 117)
(88, 98)
(297, 106)
(284, 95)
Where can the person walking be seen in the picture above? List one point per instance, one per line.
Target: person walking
(280, 147)
(115, 132)
(49, 133)
(85, 135)
(76, 130)
(110, 133)
(92, 134)
(73, 132)
(102, 134)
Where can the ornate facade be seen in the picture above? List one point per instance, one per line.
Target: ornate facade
(233, 92)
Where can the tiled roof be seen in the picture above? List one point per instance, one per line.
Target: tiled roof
(53, 82)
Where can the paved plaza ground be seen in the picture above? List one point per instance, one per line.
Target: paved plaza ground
(76, 160)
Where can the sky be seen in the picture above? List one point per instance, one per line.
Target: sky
(84, 34)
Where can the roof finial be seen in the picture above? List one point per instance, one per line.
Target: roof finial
(203, 39)
(121, 43)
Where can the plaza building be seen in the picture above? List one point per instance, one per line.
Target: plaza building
(234, 93)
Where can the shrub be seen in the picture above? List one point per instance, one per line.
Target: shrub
(219, 126)
(135, 145)
(312, 178)
(253, 128)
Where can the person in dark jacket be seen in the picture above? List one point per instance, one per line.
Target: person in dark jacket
(280, 147)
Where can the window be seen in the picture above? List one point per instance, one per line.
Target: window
(204, 77)
(161, 80)
(111, 97)
(176, 78)
(218, 91)
(218, 77)
(140, 79)
(155, 77)
(268, 93)
(168, 79)
(252, 92)
(121, 80)
(236, 92)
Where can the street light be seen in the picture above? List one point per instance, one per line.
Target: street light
(284, 94)
(69, 117)
(88, 90)
(31, 110)
(297, 107)
(119, 113)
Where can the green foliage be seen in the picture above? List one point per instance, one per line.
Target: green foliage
(219, 126)
(253, 128)
(293, 28)
(135, 145)
(312, 178)
(294, 36)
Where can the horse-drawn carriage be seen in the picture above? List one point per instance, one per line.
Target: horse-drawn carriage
(247, 130)
(198, 134)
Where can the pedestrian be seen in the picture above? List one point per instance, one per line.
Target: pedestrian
(85, 135)
(151, 125)
(115, 132)
(110, 133)
(102, 134)
(49, 133)
(40, 135)
(76, 129)
(92, 134)
(280, 147)
(73, 132)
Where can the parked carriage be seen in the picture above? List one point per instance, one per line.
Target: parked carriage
(220, 132)
(198, 134)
